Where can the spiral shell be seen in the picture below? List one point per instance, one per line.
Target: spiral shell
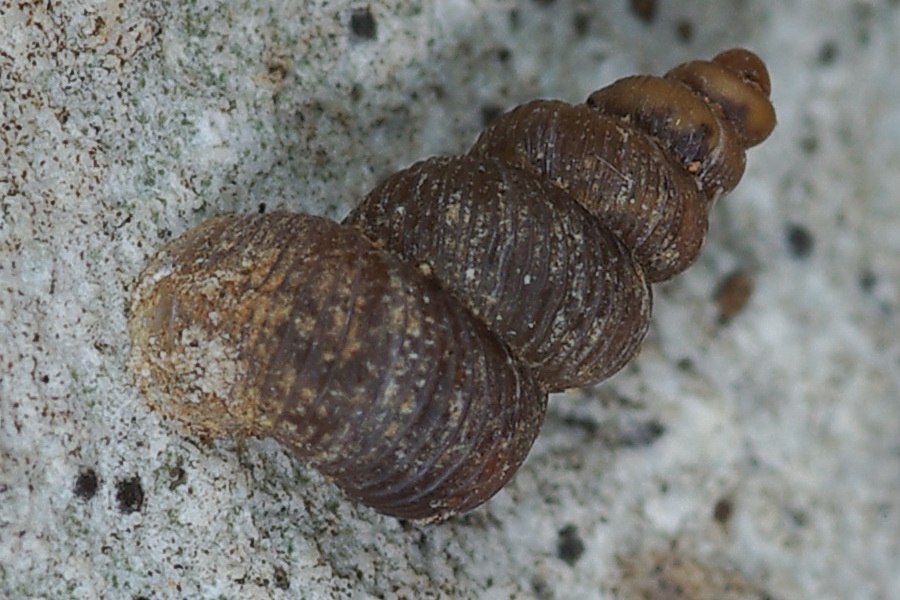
(407, 353)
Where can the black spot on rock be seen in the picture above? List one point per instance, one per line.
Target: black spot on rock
(130, 495)
(800, 241)
(489, 112)
(723, 510)
(362, 24)
(569, 546)
(645, 10)
(281, 579)
(86, 484)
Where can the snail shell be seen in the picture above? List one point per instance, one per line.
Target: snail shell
(563, 293)
(294, 327)
(647, 156)
(407, 353)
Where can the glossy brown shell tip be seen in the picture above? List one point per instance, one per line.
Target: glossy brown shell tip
(748, 65)
(736, 81)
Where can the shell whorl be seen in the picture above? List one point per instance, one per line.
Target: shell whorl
(333, 346)
(546, 277)
(407, 352)
(647, 155)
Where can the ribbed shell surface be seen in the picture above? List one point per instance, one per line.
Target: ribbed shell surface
(549, 279)
(358, 362)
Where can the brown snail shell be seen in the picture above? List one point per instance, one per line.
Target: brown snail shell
(407, 353)
(357, 362)
(563, 293)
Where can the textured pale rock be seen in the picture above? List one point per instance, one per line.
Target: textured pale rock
(125, 125)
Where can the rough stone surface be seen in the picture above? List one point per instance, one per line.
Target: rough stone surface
(765, 450)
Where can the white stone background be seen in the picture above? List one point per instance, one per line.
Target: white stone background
(125, 123)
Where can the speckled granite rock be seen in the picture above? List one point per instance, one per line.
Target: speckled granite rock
(758, 454)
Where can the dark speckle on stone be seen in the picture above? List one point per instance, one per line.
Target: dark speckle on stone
(640, 433)
(86, 484)
(798, 517)
(130, 495)
(722, 510)
(733, 294)
(177, 477)
(827, 53)
(362, 24)
(645, 10)
(684, 31)
(809, 144)
(515, 19)
(586, 424)
(281, 579)
(867, 281)
(489, 112)
(569, 546)
(541, 588)
(800, 241)
(581, 23)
